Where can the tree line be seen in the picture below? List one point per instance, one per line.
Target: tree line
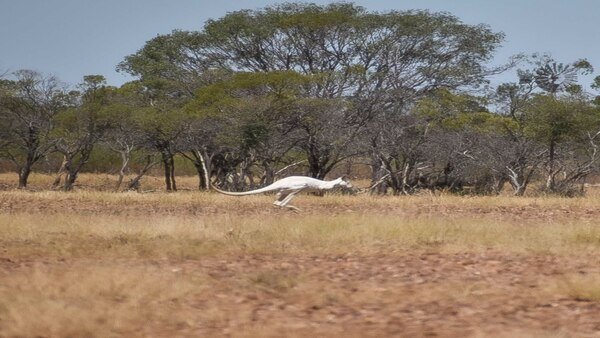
(310, 88)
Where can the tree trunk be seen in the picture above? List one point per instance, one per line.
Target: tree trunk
(172, 165)
(70, 175)
(378, 176)
(396, 186)
(317, 163)
(73, 168)
(317, 170)
(124, 163)
(395, 175)
(387, 163)
(70, 180)
(33, 146)
(134, 184)
(314, 169)
(405, 176)
(268, 176)
(24, 175)
(201, 163)
(202, 182)
(520, 190)
(203, 172)
(550, 182)
(519, 180)
(169, 170)
(60, 173)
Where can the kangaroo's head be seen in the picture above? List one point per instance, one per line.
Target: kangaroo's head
(344, 182)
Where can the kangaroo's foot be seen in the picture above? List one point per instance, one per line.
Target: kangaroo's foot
(293, 208)
(280, 205)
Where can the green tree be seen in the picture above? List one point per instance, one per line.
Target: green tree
(360, 63)
(80, 128)
(253, 114)
(170, 69)
(421, 147)
(514, 153)
(566, 125)
(126, 136)
(554, 78)
(28, 104)
(377, 62)
(176, 64)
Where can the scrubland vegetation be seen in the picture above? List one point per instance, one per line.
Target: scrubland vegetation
(309, 89)
(108, 226)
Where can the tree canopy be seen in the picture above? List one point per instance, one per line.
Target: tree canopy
(307, 88)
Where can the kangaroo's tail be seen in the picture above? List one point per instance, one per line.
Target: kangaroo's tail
(243, 193)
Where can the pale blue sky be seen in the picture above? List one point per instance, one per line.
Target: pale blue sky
(72, 38)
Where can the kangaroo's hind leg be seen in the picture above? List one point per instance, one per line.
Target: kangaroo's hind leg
(281, 196)
(287, 200)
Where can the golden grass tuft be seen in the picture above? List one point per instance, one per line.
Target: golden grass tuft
(90, 299)
(581, 287)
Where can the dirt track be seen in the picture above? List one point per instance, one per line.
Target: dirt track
(410, 294)
(413, 294)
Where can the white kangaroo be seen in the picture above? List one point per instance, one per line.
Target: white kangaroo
(288, 187)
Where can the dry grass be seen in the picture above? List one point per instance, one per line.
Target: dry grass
(96, 263)
(584, 287)
(92, 299)
(192, 237)
(95, 181)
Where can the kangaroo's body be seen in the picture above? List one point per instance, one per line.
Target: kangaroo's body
(288, 187)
